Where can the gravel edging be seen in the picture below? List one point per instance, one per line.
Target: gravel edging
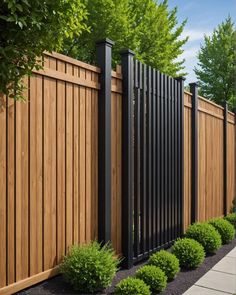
(183, 281)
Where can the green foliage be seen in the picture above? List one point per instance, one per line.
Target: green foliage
(225, 229)
(89, 268)
(217, 64)
(27, 28)
(233, 208)
(189, 252)
(153, 276)
(231, 218)
(206, 235)
(148, 28)
(132, 286)
(167, 263)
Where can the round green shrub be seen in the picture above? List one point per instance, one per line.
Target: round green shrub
(153, 276)
(189, 252)
(206, 235)
(132, 286)
(89, 268)
(225, 229)
(167, 262)
(231, 218)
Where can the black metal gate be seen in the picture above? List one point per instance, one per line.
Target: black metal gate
(153, 202)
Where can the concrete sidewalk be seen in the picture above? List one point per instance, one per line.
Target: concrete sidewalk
(221, 279)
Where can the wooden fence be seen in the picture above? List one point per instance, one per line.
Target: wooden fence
(210, 159)
(49, 168)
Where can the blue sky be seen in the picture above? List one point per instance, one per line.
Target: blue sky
(203, 16)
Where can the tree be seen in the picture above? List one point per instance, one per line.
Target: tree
(217, 64)
(27, 28)
(144, 26)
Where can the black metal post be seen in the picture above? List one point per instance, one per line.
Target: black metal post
(104, 49)
(127, 157)
(225, 156)
(181, 153)
(194, 197)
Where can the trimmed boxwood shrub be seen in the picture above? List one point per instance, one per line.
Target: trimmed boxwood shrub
(153, 276)
(89, 268)
(231, 218)
(206, 235)
(132, 286)
(167, 262)
(225, 229)
(189, 252)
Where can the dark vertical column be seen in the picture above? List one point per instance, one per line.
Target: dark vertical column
(127, 157)
(225, 156)
(181, 154)
(154, 230)
(162, 148)
(176, 181)
(194, 176)
(104, 48)
(158, 210)
(149, 159)
(137, 159)
(143, 160)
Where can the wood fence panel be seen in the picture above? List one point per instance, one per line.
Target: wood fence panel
(210, 160)
(48, 171)
(231, 150)
(116, 100)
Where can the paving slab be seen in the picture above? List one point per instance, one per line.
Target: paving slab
(219, 281)
(196, 290)
(232, 253)
(227, 265)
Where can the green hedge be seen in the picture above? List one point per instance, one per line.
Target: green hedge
(225, 229)
(189, 252)
(206, 235)
(167, 262)
(89, 268)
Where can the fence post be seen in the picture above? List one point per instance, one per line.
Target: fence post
(181, 153)
(194, 155)
(225, 156)
(104, 49)
(127, 157)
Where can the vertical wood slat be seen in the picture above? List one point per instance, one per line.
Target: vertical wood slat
(3, 185)
(35, 126)
(22, 238)
(10, 191)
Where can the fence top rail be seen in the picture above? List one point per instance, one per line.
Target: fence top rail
(210, 102)
(73, 61)
(187, 92)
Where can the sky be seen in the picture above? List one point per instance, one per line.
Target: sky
(202, 17)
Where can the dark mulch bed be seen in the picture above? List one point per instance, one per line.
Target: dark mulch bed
(183, 281)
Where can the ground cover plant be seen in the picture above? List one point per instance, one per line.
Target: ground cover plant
(225, 229)
(167, 262)
(132, 286)
(153, 276)
(189, 252)
(89, 268)
(206, 235)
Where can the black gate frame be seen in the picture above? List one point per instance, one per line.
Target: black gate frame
(152, 159)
